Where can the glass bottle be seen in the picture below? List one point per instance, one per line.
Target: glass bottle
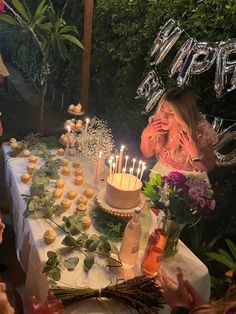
(130, 244)
(151, 261)
(145, 221)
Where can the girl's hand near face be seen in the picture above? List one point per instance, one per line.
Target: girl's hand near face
(191, 147)
(154, 127)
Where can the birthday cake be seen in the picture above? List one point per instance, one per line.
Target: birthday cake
(123, 190)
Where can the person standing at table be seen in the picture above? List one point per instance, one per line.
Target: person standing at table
(178, 136)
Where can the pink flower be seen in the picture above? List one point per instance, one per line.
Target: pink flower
(2, 7)
(193, 193)
(212, 204)
(201, 202)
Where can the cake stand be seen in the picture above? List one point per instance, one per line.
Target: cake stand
(81, 113)
(119, 212)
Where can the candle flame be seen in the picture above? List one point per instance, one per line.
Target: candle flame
(100, 154)
(68, 128)
(122, 147)
(123, 170)
(87, 120)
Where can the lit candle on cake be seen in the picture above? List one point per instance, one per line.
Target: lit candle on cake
(86, 124)
(130, 173)
(123, 171)
(138, 171)
(117, 158)
(110, 166)
(113, 168)
(68, 138)
(143, 168)
(99, 165)
(121, 157)
(134, 161)
(126, 160)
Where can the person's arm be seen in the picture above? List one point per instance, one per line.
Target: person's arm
(202, 157)
(153, 127)
(1, 128)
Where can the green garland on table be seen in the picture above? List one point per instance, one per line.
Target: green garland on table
(141, 293)
(39, 204)
(89, 245)
(40, 146)
(107, 224)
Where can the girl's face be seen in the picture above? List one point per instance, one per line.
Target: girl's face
(167, 116)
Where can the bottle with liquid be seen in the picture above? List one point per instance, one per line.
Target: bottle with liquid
(145, 221)
(151, 261)
(130, 244)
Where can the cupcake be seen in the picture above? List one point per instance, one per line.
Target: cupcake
(89, 192)
(82, 200)
(63, 139)
(86, 222)
(76, 164)
(33, 159)
(25, 178)
(60, 152)
(49, 236)
(30, 167)
(13, 140)
(71, 107)
(79, 125)
(66, 171)
(65, 162)
(14, 145)
(78, 108)
(79, 172)
(60, 184)
(65, 204)
(25, 153)
(81, 208)
(57, 193)
(71, 194)
(78, 180)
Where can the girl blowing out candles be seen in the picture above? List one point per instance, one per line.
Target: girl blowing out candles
(178, 135)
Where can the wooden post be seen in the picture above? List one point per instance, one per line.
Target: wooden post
(88, 19)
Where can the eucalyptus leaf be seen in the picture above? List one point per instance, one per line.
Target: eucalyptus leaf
(51, 254)
(105, 247)
(88, 262)
(93, 246)
(55, 274)
(71, 262)
(69, 241)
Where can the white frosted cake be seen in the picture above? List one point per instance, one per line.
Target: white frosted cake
(123, 190)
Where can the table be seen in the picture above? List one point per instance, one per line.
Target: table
(32, 251)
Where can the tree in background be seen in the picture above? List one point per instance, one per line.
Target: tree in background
(42, 35)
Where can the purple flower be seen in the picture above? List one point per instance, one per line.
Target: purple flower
(175, 179)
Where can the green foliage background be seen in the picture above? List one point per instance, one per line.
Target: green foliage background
(123, 33)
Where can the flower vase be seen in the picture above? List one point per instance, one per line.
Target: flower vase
(173, 231)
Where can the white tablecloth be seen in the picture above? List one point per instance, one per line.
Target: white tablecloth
(32, 251)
